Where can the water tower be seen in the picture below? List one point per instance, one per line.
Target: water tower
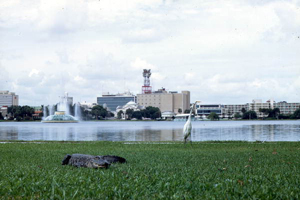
(146, 88)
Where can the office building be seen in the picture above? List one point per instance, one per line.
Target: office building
(112, 101)
(166, 101)
(204, 110)
(8, 99)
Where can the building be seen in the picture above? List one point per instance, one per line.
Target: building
(3, 112)
(130, 105)
(168, 115)
(228, 110)
(287, 108)
(284, 107)
(203, 110)
(166, 101)
(112, 101)
(8, 99)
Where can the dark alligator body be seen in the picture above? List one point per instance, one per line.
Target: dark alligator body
(90, 161)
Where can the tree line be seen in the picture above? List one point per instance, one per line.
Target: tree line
(19, 113)
(149, 112)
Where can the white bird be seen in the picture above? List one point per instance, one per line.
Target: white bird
(187, 129)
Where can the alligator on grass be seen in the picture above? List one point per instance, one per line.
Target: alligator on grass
(90, 161)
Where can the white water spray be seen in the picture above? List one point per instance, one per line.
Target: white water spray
(51, 109)
(77, 111)
(63, 105)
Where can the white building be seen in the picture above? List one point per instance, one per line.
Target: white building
(228, 110)
(168, 115)
(130, 105)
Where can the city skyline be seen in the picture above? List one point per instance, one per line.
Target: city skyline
(220, 51)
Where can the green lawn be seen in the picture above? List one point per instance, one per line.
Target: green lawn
(205, 170)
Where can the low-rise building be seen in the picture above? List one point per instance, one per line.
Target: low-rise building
(228, 110)
(168, 115)
(130, 105)
(203, 110)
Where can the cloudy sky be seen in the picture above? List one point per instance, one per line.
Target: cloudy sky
(221, 51)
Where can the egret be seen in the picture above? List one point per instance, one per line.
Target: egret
(187, 129)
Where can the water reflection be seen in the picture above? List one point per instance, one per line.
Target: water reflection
(152, 131)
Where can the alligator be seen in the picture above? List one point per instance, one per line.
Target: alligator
(90, 161)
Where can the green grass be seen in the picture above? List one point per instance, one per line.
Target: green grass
(205, 170)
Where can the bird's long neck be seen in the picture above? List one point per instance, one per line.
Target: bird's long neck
(190, 116)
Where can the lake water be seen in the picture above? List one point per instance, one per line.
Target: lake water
(152, 131)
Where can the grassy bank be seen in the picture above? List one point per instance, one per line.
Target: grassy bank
(208, 170)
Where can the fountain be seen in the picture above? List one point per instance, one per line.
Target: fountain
(63, 114)
(60, 117)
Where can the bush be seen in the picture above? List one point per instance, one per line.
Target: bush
(27, 118)
(250, 115)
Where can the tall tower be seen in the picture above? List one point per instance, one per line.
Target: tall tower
(146, 88)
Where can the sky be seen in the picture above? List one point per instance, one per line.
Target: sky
(227, 52)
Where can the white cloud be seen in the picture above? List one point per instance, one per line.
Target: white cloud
(222, 51)
(140, 64)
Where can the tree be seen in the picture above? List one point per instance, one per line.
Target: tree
(287, 116)
(237, 116)
(179, 110)
(213, 116)
(187, 111)
(250, 115)
(129, 113)
(15, 111)
(296, 114)
(87, 114)
(71, 108)
(99, 112)
(229, 115)
(243, 110)
(111, 114)
(274, 113)
(27, 111)
(265, 111)
(137, 115)
(153, 112)
(223, 115)
(119, 115)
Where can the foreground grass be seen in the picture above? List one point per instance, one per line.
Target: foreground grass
(208, 170)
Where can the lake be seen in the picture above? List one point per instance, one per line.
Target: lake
(281, 130)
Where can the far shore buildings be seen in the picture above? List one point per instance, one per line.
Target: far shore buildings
(171, 101)
(228, 110)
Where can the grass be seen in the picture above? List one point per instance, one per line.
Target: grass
(205, 170)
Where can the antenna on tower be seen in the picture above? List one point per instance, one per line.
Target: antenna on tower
(146, 88)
